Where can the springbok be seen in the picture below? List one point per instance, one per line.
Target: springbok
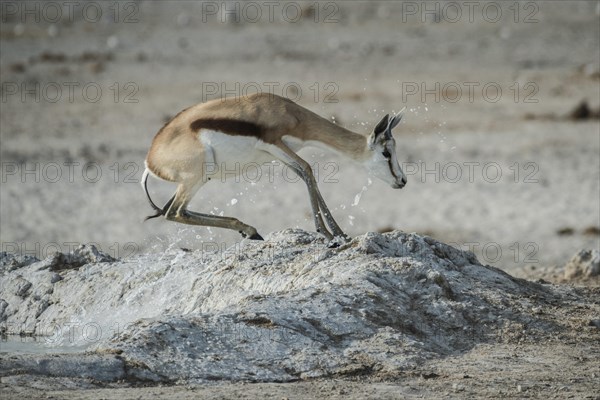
(206, 138)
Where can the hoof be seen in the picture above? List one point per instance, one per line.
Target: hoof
(256, 236)
(338, 241)
(333, 244)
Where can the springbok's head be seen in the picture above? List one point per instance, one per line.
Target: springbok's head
(382, 161)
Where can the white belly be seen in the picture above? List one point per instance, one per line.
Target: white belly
(231, 155)
(297, 144)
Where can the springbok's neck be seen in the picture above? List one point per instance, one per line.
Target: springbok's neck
(341, 140)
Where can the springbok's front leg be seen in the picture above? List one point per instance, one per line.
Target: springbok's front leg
(314, 200)
(335, 228)
(337, 231)
(303, 169)
(178, 212)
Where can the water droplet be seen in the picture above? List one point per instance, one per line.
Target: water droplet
(358, 196)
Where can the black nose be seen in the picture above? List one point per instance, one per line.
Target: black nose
(403, 181)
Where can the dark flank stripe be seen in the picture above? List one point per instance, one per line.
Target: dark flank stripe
(228, 126)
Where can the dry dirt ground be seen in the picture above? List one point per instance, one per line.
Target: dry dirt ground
(564, 368)
(71, 161)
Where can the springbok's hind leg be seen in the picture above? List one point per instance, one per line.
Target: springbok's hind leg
(194, 218)
(178, 212)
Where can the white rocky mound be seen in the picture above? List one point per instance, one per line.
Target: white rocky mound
(284, 309)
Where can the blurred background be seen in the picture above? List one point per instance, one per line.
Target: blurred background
(500, 139)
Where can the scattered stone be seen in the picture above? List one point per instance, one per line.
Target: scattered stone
(565, 231)
(50, 57)
(592, 231)
(583, 112)
(544, 117)
(93, 56)
(96, 67)
(63, 71)
(17, 67)
(585, 264)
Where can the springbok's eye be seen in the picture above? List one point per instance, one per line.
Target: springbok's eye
(386, 154)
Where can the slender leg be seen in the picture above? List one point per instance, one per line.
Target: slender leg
(303, 169)
(337, 231)
(179, 213)
(335, 228)
(314, 202)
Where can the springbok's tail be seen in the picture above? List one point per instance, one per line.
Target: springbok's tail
(159, 211)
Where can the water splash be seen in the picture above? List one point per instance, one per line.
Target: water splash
(358, 196)
(362, 191)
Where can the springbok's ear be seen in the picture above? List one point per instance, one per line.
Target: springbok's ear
(382, 125)
(396, 119)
